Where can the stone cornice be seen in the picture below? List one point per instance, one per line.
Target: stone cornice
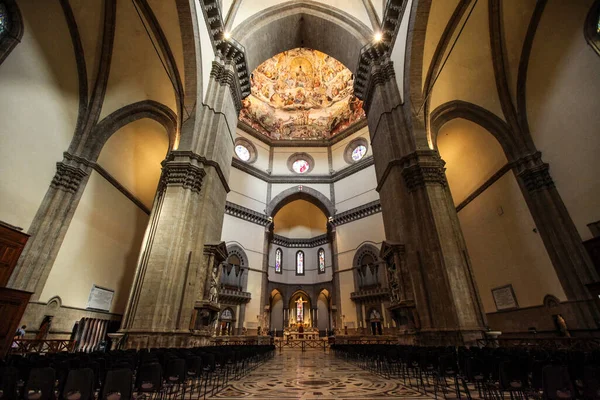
(246, 214)
(300, 243)
(356, 213)
(352, 129)
(203, 160)
(228, 49)
(342, 218)
(371, 71)
(233, 297)
(303, 179)
(420, 168)
(370, 294)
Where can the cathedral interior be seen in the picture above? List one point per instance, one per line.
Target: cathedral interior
(181, 174)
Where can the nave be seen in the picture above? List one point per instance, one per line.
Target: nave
(293, 374)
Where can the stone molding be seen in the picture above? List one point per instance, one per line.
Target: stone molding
(224, 76)
(201, 160)
(246, 214)
(367, 295)
(229, 49)
(183, 174)
(67, 178)
(303, 179)
(300, 243)
(357, 126)
(374, 66)
(301, 192)
(357, 213)
(534, 172)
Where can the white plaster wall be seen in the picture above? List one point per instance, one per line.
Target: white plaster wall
(136, 71)
(504, 249)
(38, 110)
(133, 155)
(250, 237)
(356, 190)
(282, 154)
(288, 264)
(472, 156)
(468, 74)
(262, 151)
(206, 49)
(562, 104)
(337, 150)
(349, 239)
(247, 190)
(439, 15)
(101, 247)
(355, 8)
(300, 219)
(497, 225)
(399, 50)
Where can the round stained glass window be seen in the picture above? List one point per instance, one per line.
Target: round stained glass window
(300, 166)
(4, 23)
(359, 152)
(242, 152)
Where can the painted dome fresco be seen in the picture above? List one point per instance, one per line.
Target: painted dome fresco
(301, 94)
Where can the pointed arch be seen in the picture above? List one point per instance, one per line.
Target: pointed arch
(300, 193)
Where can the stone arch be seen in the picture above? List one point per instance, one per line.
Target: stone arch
(478, 115)
(130, 113)
(332, 31)
(15, 33)
(301, 193)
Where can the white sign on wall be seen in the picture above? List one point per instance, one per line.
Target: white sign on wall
(505, 298)
(100, 298)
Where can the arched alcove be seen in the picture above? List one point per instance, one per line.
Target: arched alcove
(498, 228)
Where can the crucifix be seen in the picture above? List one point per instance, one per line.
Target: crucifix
(300, 309)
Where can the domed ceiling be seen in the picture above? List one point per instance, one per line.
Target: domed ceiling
(301, 94)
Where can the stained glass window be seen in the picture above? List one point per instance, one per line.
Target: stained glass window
(4, 20)
(300, 166)
(242, 152)
(278, 261)
(321, 260)
(359, 152)
(300, 263)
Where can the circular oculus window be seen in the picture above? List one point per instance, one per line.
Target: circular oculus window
(242, 152)
(359, 152)
(356, 150)
(300, 166)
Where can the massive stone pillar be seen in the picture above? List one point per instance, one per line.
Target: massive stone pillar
(50, 225)
(571, 261)
(188, 213)
(418, 213)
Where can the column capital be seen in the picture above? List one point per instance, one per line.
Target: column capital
(184, 174)
(68, 178)
(422, 169)
(534, 173)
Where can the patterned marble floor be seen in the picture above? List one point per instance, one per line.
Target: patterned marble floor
(313, 375)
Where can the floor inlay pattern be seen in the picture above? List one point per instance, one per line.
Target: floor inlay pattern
(314, 375)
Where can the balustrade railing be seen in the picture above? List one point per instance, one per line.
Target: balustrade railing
(26, 346)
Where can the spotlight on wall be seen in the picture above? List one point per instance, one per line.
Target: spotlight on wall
(227, 35)
(378, 36)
